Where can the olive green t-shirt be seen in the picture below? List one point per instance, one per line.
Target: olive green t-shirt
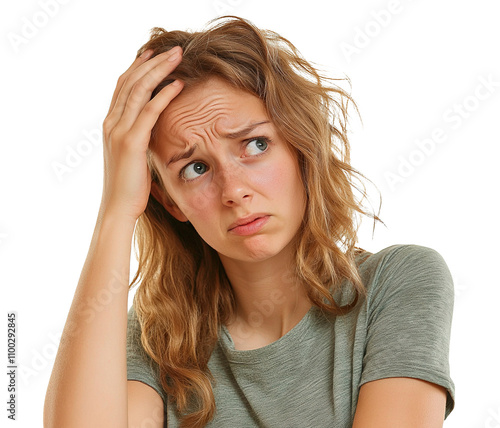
(311, 376)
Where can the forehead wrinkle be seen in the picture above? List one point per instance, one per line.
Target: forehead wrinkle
(208, 135)
(190, 122)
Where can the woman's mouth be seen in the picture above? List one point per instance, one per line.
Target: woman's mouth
(244, 227)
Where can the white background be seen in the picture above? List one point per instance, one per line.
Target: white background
(409, 77)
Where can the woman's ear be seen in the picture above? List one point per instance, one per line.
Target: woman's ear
(173, 209)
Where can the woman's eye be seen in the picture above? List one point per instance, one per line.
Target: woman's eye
(193, 170)
(256, 146)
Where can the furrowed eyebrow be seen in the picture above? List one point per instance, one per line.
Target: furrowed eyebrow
(244, 131)
(179, 156)
(231, 135)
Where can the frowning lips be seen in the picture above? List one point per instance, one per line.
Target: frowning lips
(246, 220)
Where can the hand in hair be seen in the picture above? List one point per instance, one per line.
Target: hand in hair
(127, 130)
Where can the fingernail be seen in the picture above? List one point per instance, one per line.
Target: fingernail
(175, 53)
(146, 54)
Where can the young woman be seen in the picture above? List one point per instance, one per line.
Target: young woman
(255, 308)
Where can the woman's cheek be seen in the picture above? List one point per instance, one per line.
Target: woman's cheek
(199, 202)
(271, 177)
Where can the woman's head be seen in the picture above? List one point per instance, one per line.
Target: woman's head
(308, 115)
(185, 294)
(223, 164)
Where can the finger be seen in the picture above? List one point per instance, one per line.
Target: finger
(140, 93)
(152, 110)
(143, 62)
(137, 63)
(130, 81)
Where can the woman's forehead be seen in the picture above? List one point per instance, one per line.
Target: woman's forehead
(212, 105)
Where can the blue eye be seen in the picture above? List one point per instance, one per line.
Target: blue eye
(193, 170)
(256, 146)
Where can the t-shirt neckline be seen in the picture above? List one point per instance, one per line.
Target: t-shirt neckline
(289, 339)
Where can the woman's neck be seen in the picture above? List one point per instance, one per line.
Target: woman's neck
(269, 300)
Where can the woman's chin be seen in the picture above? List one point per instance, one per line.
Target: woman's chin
(254, 251)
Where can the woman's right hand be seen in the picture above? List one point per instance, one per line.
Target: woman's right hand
(127, 130)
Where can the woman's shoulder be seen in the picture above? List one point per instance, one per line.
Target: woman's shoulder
(398, 254)
(404, 265)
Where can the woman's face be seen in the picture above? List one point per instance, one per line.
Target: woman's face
(229, 172)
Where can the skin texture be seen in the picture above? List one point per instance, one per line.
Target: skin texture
(226, 179)
(400, 402)
(145, 406)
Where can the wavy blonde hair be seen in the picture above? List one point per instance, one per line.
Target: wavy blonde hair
(185, 295)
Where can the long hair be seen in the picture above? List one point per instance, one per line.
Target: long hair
(185, 295)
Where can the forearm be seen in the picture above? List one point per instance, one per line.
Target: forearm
(88, 385)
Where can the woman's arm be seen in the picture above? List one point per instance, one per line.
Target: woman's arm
(400, 402)
(145, 406)
(405, 380)
(88, 385)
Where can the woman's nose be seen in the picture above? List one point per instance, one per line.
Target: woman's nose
(234, 184)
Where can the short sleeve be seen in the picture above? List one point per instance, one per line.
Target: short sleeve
(409, 315)
(140, 366)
